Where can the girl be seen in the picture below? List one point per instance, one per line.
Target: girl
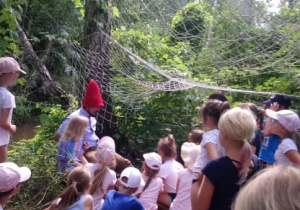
(211, 148)
(70, 151)
(189, 153)
(285, 123)
(220, 179)
(148, 194)
(104, 178)
(9, 72)
(74, 196)
(169, 170)
(274, 188)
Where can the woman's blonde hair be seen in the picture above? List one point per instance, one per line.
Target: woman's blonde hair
(75, 128)
(77, 182)
(274, 188)
(239, 125)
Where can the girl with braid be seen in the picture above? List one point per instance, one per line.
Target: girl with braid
(103, 177)
(148, 194)
(220, 180)
(74, 197)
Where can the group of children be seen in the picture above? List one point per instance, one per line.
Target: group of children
(217, 162)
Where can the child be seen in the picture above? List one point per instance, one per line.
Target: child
(11, 177)
(130, 180)
(189, 153)
(9, 72)
(148, 194)
(70, 151)
(74, 196)
(259, 115)
(285, 123)
(274, 188)
(220, 179)
(211, 148)
(169, 169)
(104, 178)
(195, 136)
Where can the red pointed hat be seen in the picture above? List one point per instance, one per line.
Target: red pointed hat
(93, 96)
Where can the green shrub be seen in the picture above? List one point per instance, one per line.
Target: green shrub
(39, 155)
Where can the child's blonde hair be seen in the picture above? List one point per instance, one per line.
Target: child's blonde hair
(239, 125)
(213, 108)
(77, 182)
(273, 188)
(195, 136)
(168, 146)
(75, 128)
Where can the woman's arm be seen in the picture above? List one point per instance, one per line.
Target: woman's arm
(202, 199)
(294, 156)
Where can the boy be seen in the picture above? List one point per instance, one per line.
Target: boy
(11, 177)
(130, 180)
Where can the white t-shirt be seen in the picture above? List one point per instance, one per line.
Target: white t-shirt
(183, 196)
(7, 100)
(109, 179)
(211, 136)
(149, 197)
(285, 146)
(168, 171)
(1, 208)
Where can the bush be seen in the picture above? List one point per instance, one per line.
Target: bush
(39, 155)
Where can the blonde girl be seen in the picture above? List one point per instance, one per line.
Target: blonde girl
(148, 194)
(70, 151)
(285, 123)
(74, 196)
(273, 188)
(166, 148)
(9, 72)
(103, 177)
(220, 179)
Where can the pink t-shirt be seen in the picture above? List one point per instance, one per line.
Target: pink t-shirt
(149, 197)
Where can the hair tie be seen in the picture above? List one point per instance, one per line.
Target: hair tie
(245, 140)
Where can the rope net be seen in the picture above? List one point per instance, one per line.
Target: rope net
(174, 45)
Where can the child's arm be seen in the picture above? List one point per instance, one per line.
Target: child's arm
(202, 199)
(83, 160)
(88, 202)
(293, 156)
(212, 151)
(4, 122)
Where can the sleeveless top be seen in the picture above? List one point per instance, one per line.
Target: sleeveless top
(79, 204)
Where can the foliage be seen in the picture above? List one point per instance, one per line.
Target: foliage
(39, 155)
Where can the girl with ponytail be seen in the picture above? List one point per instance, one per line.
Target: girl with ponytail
(74, 196)
(103, 177)
(166, 148)
(221, 178)
(148, 194)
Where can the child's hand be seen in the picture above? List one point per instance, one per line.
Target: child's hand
(13, 128)
(274, 106)
(85, 146)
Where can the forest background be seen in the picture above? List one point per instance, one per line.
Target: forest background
(156, 62)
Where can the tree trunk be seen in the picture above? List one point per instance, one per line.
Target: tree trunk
(39, 66)
(97, 27)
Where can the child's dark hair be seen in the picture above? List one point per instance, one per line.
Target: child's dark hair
(168, 146)
(218, 96)
(195, 136)
(78, 180)
(213, 108)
